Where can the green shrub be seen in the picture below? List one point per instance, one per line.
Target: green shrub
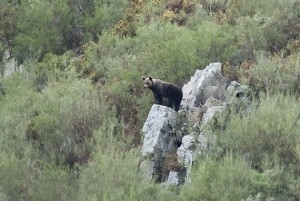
(16, 107)
(276, 74)
(118, 79)
(166, 51)
(13, 180)
(267, 134)
(112, 173)
(244, 8)
(264, 26)
(41, 27)
(105, 15)
(53, 183)
(227, 179)
(100, 59)
(7, 23)
(127, 25)
(52, 118)
(275, 184)
(250, 36)
(50, 69)
(200, 16)
(173, 53)
(23, 178)
(66, 113)
(221, 45)
(124, 92)
(215, 6)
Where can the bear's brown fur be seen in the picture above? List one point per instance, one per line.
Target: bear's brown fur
(162, 89)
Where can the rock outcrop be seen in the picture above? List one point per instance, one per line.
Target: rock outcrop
(157, 129)
(204, 84)
(160, 139)
(10, 64)
(172, 141)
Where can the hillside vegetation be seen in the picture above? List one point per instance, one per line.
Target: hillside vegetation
(70, 121)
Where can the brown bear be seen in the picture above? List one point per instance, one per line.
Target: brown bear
(162, 89)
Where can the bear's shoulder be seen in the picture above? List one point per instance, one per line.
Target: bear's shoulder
(157, 82)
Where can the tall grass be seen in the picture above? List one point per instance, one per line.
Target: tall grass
(270, 131)
(267, 135)
(224, 180)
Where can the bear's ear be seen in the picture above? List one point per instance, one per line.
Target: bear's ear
(150, 78)
(143, 78)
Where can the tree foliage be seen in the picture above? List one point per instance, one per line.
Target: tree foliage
(70, 121)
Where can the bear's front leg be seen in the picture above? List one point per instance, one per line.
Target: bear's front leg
(170, 103)
(177, 105)
(159, 99)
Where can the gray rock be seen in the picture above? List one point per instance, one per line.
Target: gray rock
(235, 89)
(210, 113)
(157, 129)
(186, 157)
(211, 102)
(203, 143)
(159, 139)
(187, 141)
(10, 66)
(204, 84)
(6, 55)
(195, 114)
(238, 95)
(186, 154)
(175, 178)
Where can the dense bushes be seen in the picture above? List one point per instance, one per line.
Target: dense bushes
(274, 139)
(266, 134)
(40, 29)
(107, 176)
(166, 59)
(70, 121)
(32, 29)
(276, 74)
(232, 179)
(228, 179)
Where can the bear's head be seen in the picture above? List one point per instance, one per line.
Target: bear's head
(148, 82)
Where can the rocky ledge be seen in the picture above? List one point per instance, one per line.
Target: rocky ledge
(173, 141)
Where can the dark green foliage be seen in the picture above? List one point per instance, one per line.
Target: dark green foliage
(40, 30)
(70, 121)
(50, 69)
(7, 22)
(39, 27)
(104, 17)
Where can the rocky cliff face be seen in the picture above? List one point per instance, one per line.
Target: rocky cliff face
(172, 141)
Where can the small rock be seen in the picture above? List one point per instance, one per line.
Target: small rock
(173, 178)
